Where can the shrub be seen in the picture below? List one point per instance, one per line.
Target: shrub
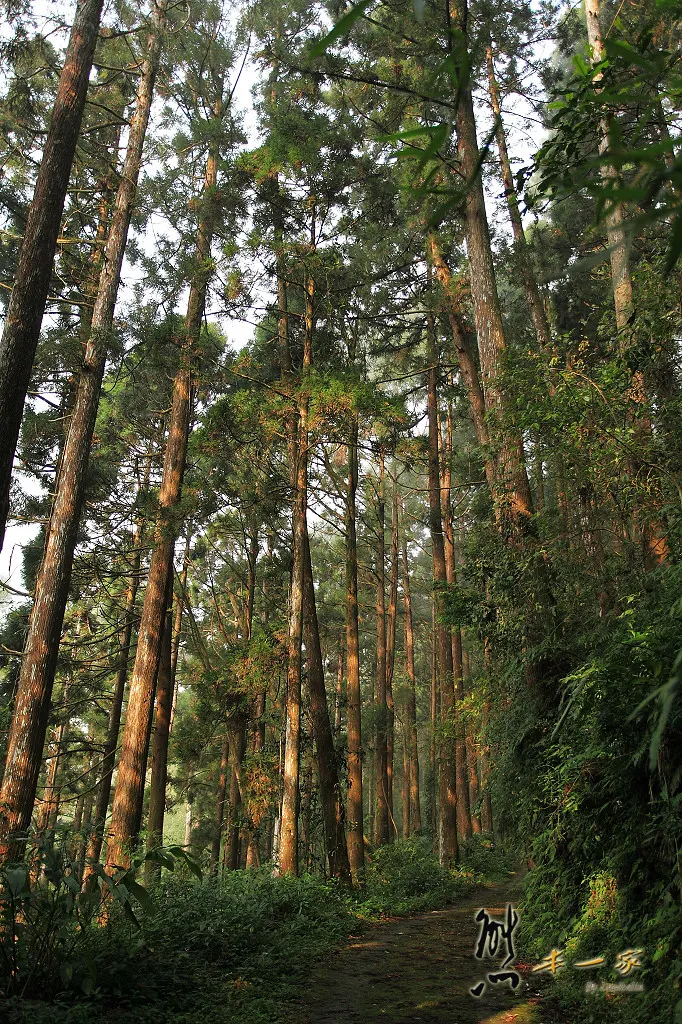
(405, 876)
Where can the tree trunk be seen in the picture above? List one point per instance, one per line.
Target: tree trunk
(220, 806)
(27, 733)
(328, 772)
(338, 693)
(298, 467)
(447, 836)
(471, 753)
(463, 811)
(237, 732)
(380, 752)
(34, 271)
(390, 657)
(355, 816)
(433, 721)
(615, 218)
(159, 778)
(49, 806)
(510, 471)
(415, 822)
(127, 807)
(96, 838)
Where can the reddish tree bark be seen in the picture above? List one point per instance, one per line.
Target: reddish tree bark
(159, 777)
(380, 751)
(34, 270)
(410, 712)
(127, 807)
(355, 815)
(27, 734)
(447, 834)
(328, 773)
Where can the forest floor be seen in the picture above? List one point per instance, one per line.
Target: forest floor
(419, 970)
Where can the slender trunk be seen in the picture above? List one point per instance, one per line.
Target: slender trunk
(433, 721)
(328, 773)
(463, 812)
(653, 533)
(220, 806)
(390, 656)
(49, 805)
(187, 823)
(34, 271)
(177, 630)
(465, 358)
(338, 694)
(447, 836)
(96, 838)
(237, 733)
(27, 733)
(288, 852)
(471, 752)
(159, 777)
(415, 822)
(306, 815)
(258, 742)
(127, 806)
(88, 804)
(355, 816)
(486, 805)
(405, 793)
(380, 752)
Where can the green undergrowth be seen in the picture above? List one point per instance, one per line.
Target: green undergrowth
(231, 949)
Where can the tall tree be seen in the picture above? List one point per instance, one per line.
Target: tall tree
(32, 279)
(29, 721)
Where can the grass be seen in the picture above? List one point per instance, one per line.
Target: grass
(234, 949)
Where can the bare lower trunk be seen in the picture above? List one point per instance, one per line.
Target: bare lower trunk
(355, 816)
(159, 777)
(447, 836)
(237, 750)
(433, 722)
(472, 754)
(463, 812)
(328, 773)
(380, 780)
(49, 805)
(410, 712)
(391, 619)
(288, 851)
(220, 806)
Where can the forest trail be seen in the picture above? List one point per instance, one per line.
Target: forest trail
(418, 970)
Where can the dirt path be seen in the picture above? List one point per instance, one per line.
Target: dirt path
(417, 970)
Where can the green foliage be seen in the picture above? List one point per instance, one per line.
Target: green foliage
(405, 876)
(50, 922)
(217, 950)
(630, 91)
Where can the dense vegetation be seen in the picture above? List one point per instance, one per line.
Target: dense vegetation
(340, 434)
